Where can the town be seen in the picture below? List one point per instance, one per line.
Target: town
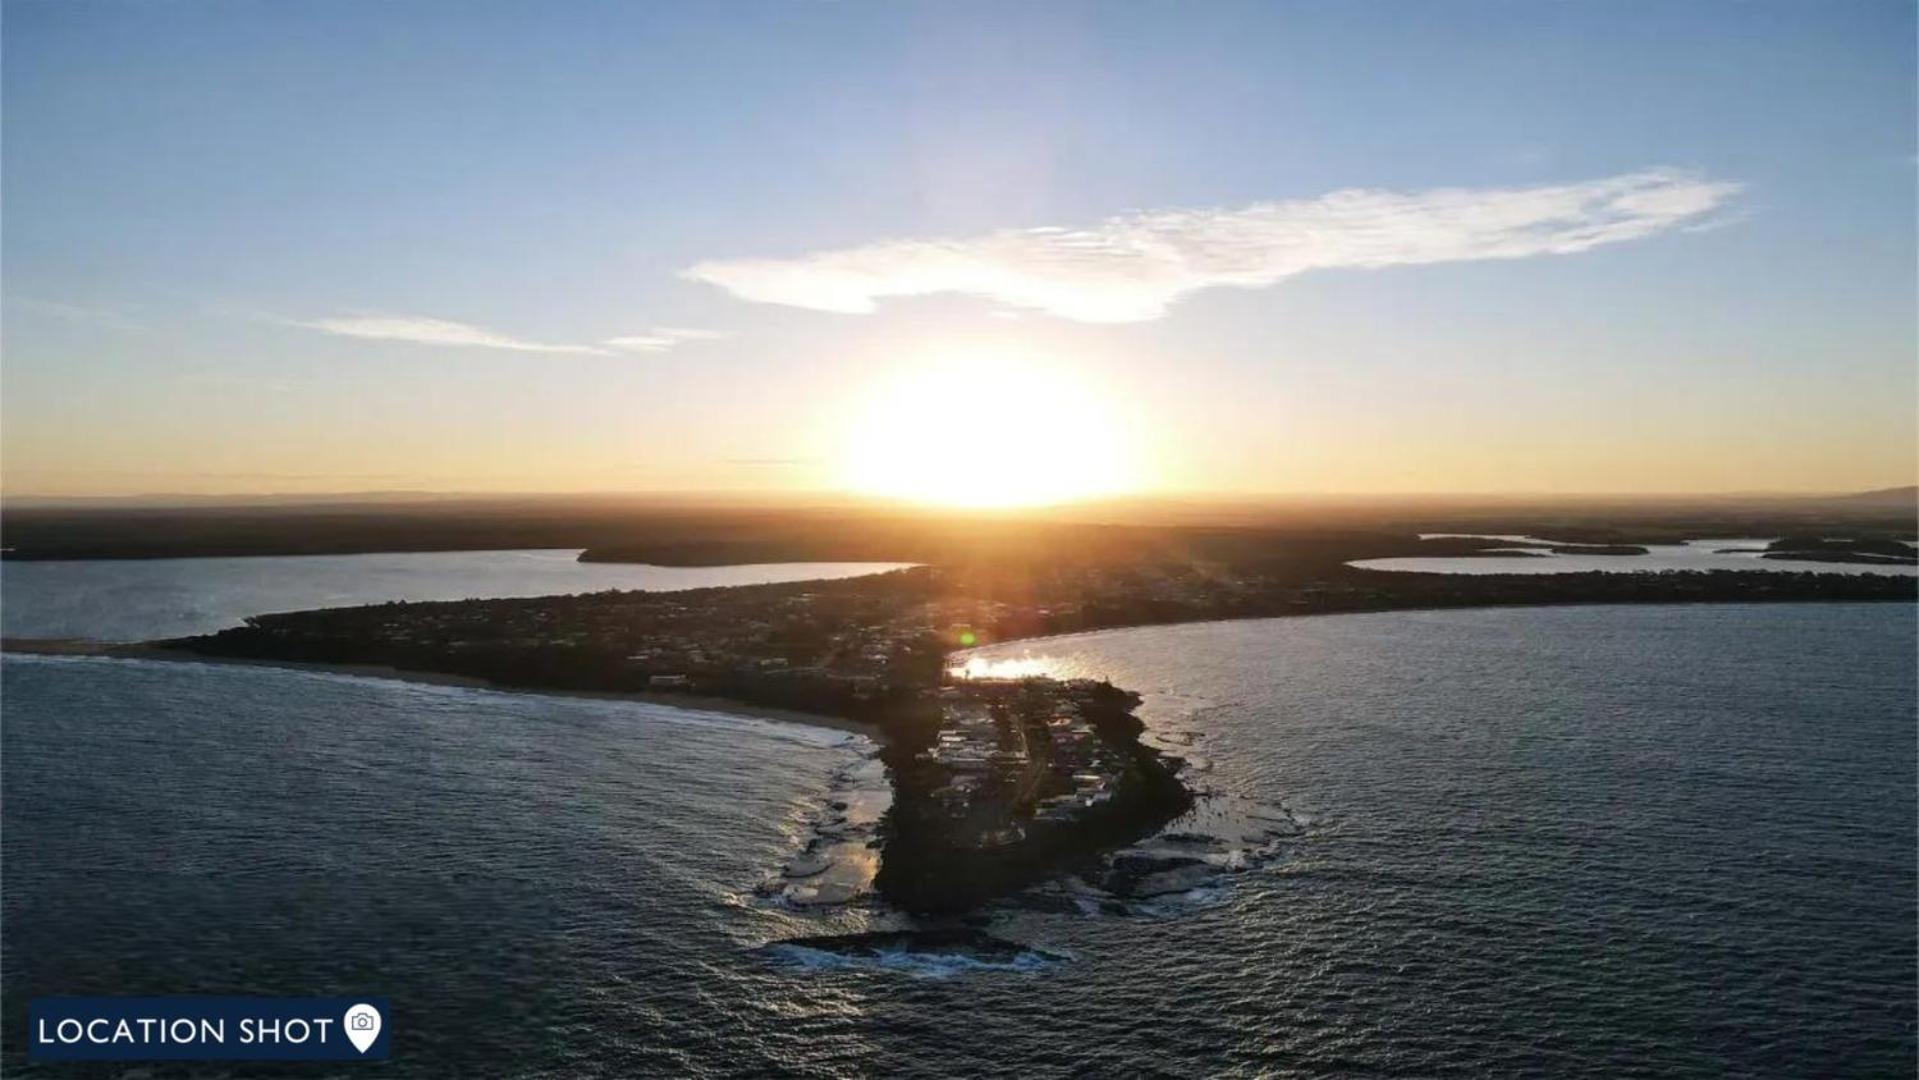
(1019, 754)
(863, 647)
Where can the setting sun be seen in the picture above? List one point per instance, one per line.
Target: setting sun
(985, 431)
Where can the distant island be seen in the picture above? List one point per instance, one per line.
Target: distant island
(1843, 549)
(998, 783)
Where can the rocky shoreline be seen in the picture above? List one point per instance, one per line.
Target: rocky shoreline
(922, 867)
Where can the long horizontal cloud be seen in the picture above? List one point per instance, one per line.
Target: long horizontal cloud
(425, 331)
(1132, 267)
(662, 338)
(420, 330)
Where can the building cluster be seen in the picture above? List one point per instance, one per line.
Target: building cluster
(979, 754)
(862, 637)
(1080, 758)
(865, 637)
(1015, 753)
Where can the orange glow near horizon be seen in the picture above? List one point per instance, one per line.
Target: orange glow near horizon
(985, 432)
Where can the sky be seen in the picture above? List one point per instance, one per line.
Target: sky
(966, 252)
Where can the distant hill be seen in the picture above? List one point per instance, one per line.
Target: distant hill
(1889, 498)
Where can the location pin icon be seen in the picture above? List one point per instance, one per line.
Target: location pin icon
(362, 1026)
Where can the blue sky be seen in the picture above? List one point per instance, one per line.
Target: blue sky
(235, 235)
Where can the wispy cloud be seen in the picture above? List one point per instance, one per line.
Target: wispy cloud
(662, 338)
(77, 313)
(423, 331)
(1132, 267)
(420, 330)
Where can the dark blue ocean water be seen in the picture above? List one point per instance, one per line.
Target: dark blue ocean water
(1573, 842)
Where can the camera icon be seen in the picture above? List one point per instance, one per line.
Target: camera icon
(361, 1025)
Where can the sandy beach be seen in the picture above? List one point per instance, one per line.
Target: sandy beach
(110, 650)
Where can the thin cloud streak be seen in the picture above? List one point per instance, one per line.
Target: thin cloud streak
(662, 338)
(418, 330)
(1133, 267)
(78, 313)
(421, 330)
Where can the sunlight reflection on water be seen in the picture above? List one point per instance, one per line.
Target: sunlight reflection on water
(1022, 667)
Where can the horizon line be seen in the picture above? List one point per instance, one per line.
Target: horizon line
(160, 499)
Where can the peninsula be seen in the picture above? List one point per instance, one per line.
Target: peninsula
(998, 783)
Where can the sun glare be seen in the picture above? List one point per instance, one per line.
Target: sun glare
(984, 432)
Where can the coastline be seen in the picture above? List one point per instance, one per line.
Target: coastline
(940, 853)
(692, 702)
(1411, 609)
(147, 651)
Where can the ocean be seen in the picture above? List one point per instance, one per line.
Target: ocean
(1629, 841)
